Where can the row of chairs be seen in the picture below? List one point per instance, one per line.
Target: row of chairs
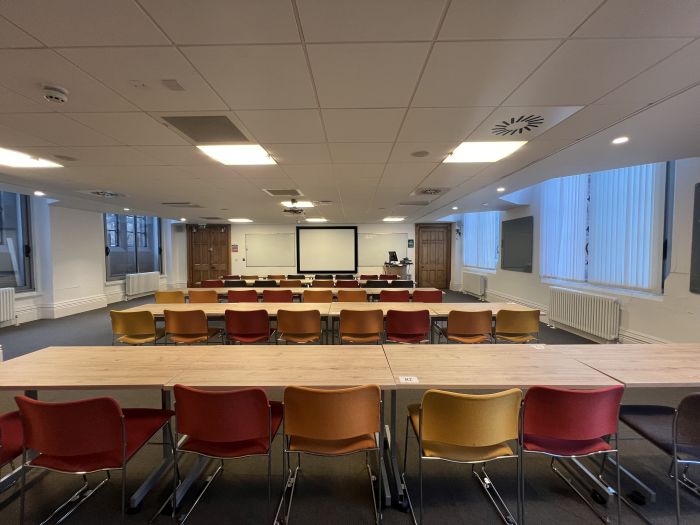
(286, 296)
(338, 276)
(296, 283)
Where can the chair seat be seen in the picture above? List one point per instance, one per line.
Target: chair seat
(468, 339)
(300, 338)
(141, 424)
(655, 423)
(235, 449)
(141, 339)
(564, 447)
(332, 447)
(10, 437)
(406, 338)
(517, 338)
(361, 338)
(437, 449)
(194, 338)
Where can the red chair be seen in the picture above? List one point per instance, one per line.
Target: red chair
(231, 277)
(427, 296)
(407, 327)
(212, 283)
(10, 437)
(86, 436)
(394, 296)
(563, 423)
(242, 296)
(225, 425)
(347, 284)
(368, 277)
(388, 277)
(247, 327)
(278, 296)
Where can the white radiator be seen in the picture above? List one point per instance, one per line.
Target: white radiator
(138, 283)
(7, 304)
(474, 284)
(597, 315)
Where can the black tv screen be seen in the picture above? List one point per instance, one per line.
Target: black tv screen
(516, 245)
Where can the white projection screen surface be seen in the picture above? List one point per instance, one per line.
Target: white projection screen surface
(330, 249)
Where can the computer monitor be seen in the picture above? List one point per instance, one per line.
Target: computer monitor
(393, 257)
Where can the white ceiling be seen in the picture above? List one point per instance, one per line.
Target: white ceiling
(340, 93)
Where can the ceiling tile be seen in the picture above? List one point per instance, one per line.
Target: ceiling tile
(13, 36)
(256, 77)
(521, 123)
(362, 152)
(366, 75)
(95, 156)
(299, 153)
(583, 70)
(79, 23)
(356, 173)
(137, 73)
(452, 175)
(362, 125)
(271, 171)
(406, 174)
(441, 124)
(478, 73)
(225, 21)
(131, 128)
(369, 20)
(643, 18)
(11, 137)
(437, 151)
(55, 128)
(179, 156)
(287, 125)
(512, 19)
(308, 172)
(11, 102)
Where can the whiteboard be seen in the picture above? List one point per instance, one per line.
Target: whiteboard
(374, 248)
(270, 249)
(330, 249)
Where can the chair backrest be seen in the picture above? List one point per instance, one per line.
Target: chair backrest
(242, 296)
(277, 296)
(517, 322)
(73, 428)
(299, 321)
(688, 420)
(203, 296)
(10, 437)
(279, 276)
(408, 323)
(296, 276)
(265, 284)
(249, 277)
(232, 277)
(388, 276)
(252, 322)
(132, 323)
(222, 416)
(212, 283)
(567, 414)
(368, 277)
(377, 284)
(470, 420)
(318, 296)
(402, 284)
(344, 277)
(186, 322)
(427, 296)
(322, 283)
(469, 323)
(331, 414)
(290, 283)
(361, 322)
(352, 296)
(324, 276)
(238, 283)
(394, 296)
(351, 283)
(170, 297)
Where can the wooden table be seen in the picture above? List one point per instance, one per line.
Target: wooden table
(443, 309)
(218, 309)
(223, 292)
(384, 307)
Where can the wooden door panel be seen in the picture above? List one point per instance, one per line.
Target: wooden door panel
(207, 252)
(433, 255)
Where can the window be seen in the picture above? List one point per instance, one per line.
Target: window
(132, 244)
(605, 228)
(15, 242)
(481, 238)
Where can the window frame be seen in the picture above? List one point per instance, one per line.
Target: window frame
(27, 246)
(133, 247)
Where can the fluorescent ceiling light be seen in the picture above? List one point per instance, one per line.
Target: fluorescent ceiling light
(484, 151)
(17, 159)
(298, 204)
(393, 219)
(39, 193)
(455, 208)
(316, 219)
(182, 219)
(500, 189)
(238, 154)
(240, 220)
(127, 209)
(620, 140)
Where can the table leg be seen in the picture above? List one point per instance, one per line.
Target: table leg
(397, 488)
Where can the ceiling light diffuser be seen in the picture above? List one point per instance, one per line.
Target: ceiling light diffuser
(39, 193)
(316, 219)
(620, 140)
(182, 219)
(240, 220)
(298, 204)
(393, 219)
(484, 151)
(238, 154)
(17, 159)
(127, 209)
(500, 189)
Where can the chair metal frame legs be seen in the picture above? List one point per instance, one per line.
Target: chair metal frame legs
(681, 478)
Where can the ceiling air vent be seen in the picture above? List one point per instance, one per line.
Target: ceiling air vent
(66, 158)
(323, 203)
(293, 211)
(181, 204)
(517, 125)
(415, 203)
(105, 194)
(208, 129)
(172, 84)
(283, 193)
(430, 191)
(212, 218)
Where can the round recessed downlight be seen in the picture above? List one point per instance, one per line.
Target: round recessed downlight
(500, 189)
(455, 208)
(39, 193)
(620, 140)
(420, 153)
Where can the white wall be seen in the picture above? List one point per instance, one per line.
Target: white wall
(672, 316)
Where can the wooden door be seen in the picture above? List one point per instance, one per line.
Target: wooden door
(433, 252)
(207, 252)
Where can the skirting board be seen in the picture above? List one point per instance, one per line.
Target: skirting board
(72, 306)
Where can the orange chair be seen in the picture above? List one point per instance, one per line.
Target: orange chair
(361, 326)
(134, 328)
(170, 297)
(468, 327)
(321, 283)
(212, 283)
(203, 296)
(331, 423)
(188, 327)
(242, 296)
(352, 296)
(299, 326)
(277, 296)
(290, 283)
(318, 296)
(394, 296)
(517, 326)
(427, 296)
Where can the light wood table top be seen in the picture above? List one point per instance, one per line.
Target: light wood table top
(384, 307)
(96, 367)
(443, 309)
(235, 366)
(218, 309)
(250, 282)
(640, 365)
(488, 367)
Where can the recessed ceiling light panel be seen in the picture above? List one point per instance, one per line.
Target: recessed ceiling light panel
(393, 219)
(39, 193)
(298, 204)
(500, 189)
(484, 151)
(620, 140)
(316, 219)
(17, 159)
(240, 220)
(238, 154)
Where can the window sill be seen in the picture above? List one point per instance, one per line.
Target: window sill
(27, 294)
(608, 290)
(484, 271)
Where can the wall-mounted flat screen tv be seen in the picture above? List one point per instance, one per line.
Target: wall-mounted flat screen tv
(516, 245)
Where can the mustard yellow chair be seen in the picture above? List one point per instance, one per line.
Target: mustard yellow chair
(170, 297)
(203, 296)
(517, 326)
(470, 429)
(134, 328)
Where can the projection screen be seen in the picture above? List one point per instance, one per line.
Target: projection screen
(326, 249)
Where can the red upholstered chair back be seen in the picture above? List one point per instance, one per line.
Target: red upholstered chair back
(408, 323)
(347, 284)
(388, 276)
(427, 296)
(567, 414)
(394, 296)
(212, 283)
(368, 277)
(242, 296)
(254, 322)
(73, 428)
(277, 296)
(222, 416)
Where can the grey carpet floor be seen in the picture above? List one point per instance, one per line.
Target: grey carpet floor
(330, 491)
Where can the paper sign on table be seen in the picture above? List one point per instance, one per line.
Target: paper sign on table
(408, 379)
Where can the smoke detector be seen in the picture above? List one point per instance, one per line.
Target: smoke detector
(55, 94)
